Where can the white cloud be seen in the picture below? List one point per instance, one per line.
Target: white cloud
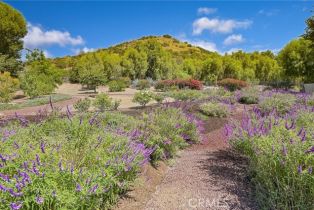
(234, 39)
(83, 50)
(47, 54)
(218, 26)
(210, 46)
(232, 50)
(268, 12)
(37, 37)
(206, 11)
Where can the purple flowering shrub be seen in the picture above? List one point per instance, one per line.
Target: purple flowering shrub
(281, 153)
(281, 102)
(85, 161)
(68, 163)
(167, 130)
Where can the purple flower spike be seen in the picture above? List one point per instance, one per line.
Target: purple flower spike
(16, 206)
(78, 188)
(311, 150)
(300, 169)
(42, 147)
(310, 170)
(284, 150)
(39, 200)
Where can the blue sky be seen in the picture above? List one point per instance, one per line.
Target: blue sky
(65, 28)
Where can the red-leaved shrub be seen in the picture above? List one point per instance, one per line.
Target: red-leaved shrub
(180, 83)
(232, 84)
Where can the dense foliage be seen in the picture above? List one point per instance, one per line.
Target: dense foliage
(280, 149)
(214, 109)
(40, 76)
(12, 30)
(167, 58)
(8, 86)
(85, 161)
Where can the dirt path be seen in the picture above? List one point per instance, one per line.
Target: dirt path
(206, 176)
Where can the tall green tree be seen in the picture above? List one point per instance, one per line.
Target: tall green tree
(297, 60)
(90, 71)
(12, 30)
(309, 31)
(40, 76)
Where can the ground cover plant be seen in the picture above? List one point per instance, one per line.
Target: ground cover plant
(41, 100)
(85, 161)
(280, 149)
(214, 109)
(249, 95)
(280, 102)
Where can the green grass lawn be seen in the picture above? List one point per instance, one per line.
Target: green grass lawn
(34, 102)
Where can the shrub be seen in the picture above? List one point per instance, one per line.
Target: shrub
(125, 80)
(279, 102)
(8, 86)
(167, 130)
(82, 105)
(143, 84)
(180, 83)
(249, 96)
(115, 104)
(159, 97)
(232, 84)
(214, 109)
(40, 77)
(143, 97)
(116, 86)
(68, 164)
(280, 150)
(103, 102)
(185, 95)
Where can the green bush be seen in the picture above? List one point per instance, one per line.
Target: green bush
(282, 103)
(8, 86)
(142, 84)
(159, 98)
(167, 131)
(186, 95)
(103, 102)
(82, 105)
(116, 86)
(40, 77)
(143, 97)
(249, 96)
(214, 109)
(115, 104)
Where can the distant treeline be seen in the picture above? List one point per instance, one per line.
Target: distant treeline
(164, 57)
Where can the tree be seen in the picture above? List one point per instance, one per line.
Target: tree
(212, 69)
(90, 70)
(134, 63)
(297, 60)
(40, 76)
(309, 31)
(8, 86)
(12, 30)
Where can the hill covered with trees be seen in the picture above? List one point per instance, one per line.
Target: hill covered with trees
(164, 57)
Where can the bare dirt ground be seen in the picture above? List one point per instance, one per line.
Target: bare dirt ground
(205, 176)
(76, 91)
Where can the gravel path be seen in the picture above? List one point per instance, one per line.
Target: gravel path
(205, 176)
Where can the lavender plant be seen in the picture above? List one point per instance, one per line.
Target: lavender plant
(280, 150)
